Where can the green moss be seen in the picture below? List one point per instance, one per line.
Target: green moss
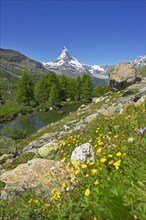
(23, 158)
(2, 185)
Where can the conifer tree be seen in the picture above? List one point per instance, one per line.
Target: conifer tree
(42, 90)
(78, 86)
(24, 90)
(86, 88)
(64, 87)
(54, 96)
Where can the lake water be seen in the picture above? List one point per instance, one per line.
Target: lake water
(35, 121)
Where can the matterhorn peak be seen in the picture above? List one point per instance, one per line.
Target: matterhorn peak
(64, 55)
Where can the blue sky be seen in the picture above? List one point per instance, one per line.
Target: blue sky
(95, 32)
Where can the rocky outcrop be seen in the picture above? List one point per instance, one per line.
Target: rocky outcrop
(49, 149)
(122, 76)
(37, 173)
(48, 139)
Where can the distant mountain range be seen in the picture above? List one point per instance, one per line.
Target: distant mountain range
(69, 65)
(13, 63)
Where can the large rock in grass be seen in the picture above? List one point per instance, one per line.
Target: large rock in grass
(122, 76)
(39, 174)
(83, 153)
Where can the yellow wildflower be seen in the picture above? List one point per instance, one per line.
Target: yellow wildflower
(99, 150)
(111, 162)
(57, 195)
(117, 164)
(93, 171)
(77, 172)
(91, 163)
(63, 185)
(102, 160)
(84, 166)
(100, 143)
(110, 155)
(87, 175)
(119, 154)
(87, 192)
(76, 163)
(96, 182)
(54, 190)
(72, 169)
(72, 179)
(68, 163)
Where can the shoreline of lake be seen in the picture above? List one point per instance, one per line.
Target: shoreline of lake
(34, 121)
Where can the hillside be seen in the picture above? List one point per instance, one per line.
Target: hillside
(89, 165)
(13, 63)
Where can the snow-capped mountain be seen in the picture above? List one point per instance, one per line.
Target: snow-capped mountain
(69, 65)
(140, 62)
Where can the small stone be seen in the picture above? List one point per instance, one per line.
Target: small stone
(4, 195)
(130, 140)
(83, 153)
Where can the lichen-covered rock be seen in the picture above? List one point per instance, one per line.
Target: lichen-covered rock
(49, 149)
(83, 153)
(37, 173)
(122, 76)
(91, 117)
(45, 139)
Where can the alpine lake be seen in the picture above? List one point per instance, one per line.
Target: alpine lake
(36, 120)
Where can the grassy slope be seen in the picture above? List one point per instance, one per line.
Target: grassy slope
(111, 188)
(13, 62)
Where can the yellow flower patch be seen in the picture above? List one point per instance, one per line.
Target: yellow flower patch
(87, 192)
(119, 154)
(93, 171)
(96, 182)
(111, 162)
(77, 172)
(99, 150)
(103, 160)
(84, 166)
(117, 164)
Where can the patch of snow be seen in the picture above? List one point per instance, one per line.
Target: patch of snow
(96, 67)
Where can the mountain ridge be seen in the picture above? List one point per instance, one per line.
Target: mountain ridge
(13, 63)
(67, 63)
